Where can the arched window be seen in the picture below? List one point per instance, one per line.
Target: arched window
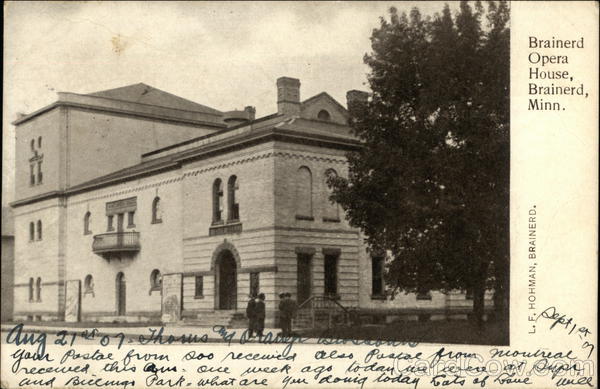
(38, 289)
(156, 210)
(86, 223)
(155, 280)
(32, 145)
(323, 115)
(40, 142)
(331, 210)
(304, 194)
(88, 284)
(217, 201)
(232, 204)
(31, 231)
(39, 230)
(30, 289)
(32, 174)
(40, 175)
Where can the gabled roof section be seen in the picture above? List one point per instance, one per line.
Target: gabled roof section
(324, 96)
(146, 94)
(312, 107)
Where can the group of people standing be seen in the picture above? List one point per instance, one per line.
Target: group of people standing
(255, 311)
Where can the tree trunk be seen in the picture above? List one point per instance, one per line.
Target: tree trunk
(479, 294)
(478, 303)
(501, 291)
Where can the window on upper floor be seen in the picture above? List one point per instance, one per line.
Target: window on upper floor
(377, 269)
(31, 289)
(469, 294)
(156, 210)
(155, 280)
(304, 194)
(40, 175)
(39, 142)
(32, 145)
(38, 289)
(86, 223)
(423, 294)
(324, 115)
(110, 223)
(217, 201)
(331, 209)
(88, 284)
(32, 174)
(39, 230)
(130, 219)
(31, 231)
(232, 202)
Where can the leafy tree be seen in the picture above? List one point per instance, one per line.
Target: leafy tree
(431, 184)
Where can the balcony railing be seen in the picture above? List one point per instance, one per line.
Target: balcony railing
(116, 242)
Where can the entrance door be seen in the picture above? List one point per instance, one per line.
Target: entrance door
(121, 293)
(331, 275)
(304, 280)
(227, 281)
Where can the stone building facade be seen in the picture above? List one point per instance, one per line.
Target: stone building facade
(135, 204)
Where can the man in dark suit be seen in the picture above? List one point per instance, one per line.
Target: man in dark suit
(282, 318)
(251, 314)
(260, 314)
(288, 308)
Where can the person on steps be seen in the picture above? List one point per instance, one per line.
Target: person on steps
(251, 314)
(260, 314)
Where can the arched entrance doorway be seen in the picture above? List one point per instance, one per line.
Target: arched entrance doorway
(226, 277)
(121, 293)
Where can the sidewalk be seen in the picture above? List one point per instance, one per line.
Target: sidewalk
(232, 335)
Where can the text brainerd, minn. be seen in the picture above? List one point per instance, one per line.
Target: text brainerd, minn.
(119, 360)
(549, 77)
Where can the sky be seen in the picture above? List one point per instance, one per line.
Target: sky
(225, 55)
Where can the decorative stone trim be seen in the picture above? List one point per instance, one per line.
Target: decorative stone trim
(225, 246)
(225, 229)
(331, 251)
(305, 250)
(199, 273)
(258, 269)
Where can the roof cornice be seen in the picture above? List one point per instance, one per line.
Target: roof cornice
(206, 151)
(167, 114)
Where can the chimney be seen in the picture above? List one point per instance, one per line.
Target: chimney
(251, 111)
(356, 96)
(288, 96)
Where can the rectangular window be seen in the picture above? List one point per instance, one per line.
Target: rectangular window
(32, 174)
(40, 175)
(377, 264)
(110, 226)
(331, 274)
(199, 286)
(254, 284)
(304, 277)
(130, 219)
(424, 295)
